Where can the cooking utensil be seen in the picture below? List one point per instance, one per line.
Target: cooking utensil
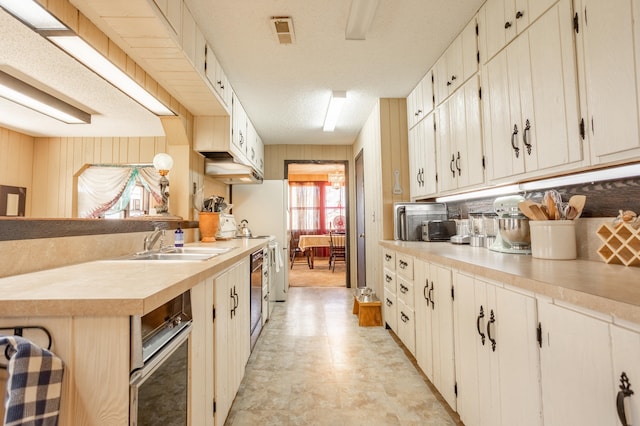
(553, 201)
(577, 202)
(531, 210)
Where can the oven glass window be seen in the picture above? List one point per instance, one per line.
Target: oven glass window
(162, 398)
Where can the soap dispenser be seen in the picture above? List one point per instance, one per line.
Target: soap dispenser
(179, 238)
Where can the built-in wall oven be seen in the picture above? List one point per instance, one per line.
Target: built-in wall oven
(159, 380)
(256, 295)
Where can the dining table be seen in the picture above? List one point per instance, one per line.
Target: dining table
(311, 241)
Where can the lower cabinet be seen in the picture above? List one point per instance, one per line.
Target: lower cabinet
(625, 346)
(434, 327)
(497, 364)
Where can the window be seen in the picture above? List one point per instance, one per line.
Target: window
(316, 207)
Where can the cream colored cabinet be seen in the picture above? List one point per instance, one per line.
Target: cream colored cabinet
(625, 347)
(231, 335)
(608, 41)
(422, 159)
(457, 64)
(217, 78)
(172, 11)
(404, 296)
(505, 19)
(189, 35)
(530, 103)
(434, 327)
(255, 149)
(459, 140)
(578, 380)
(202, 353)
(420, 100)
(497, 364)
(238, 127)
(390, 302)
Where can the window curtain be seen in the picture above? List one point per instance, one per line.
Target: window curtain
(304, 203)
(108, 188)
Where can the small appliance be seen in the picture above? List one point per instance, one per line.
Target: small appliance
(438, 230)
(408, 218)
(227, 228)
(513, 234)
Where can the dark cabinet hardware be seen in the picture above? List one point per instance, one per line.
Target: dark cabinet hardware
(514, 135)
(387, 278)
(582, 128)
(625, 391)
(403, 264)
(519, 14)
(403, 289)
(433, 304)
(507, 25)
(425, 291)
(458, 164)
(525, 139)
(404, 317)
(453, 159)
(233, 309)
(480, 316)
(492, 319)
(387, 257)
(448, 83)
(576, 25)
(389, 302)
(453, 77)
(539, 334)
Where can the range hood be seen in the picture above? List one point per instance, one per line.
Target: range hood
(222, 166)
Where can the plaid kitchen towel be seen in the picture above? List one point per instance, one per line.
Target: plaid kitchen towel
(34, 384)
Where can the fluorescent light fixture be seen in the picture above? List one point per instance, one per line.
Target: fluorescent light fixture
(93, 60)
(484, 193)
(40, 20)
(338, 99)
(32, 14)
(360, 18)
(28, 96)
(586, 177)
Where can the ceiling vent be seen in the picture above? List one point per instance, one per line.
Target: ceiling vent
(283, 29)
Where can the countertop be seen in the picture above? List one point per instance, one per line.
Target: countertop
(113, 287)
(608, 289)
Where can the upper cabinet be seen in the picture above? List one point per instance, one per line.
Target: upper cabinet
(217, 77)
(505, 19)
(172, 11)
(608, 39)
(420, 100)
(530, 102)
(422, 159)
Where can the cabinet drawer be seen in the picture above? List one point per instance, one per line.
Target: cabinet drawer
(390, 310)
(405, 292)
(407, 327)
(389, 259)
(404, 266)
(389, 279)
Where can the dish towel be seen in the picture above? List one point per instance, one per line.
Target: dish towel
(34, 385)
(278, 259)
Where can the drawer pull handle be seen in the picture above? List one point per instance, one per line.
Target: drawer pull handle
(403, 288)
(625, 391)
(480, 316)
(492, 319)
(387, 257)
(388, 278)
(389, 302)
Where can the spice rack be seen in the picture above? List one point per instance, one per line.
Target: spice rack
(621, 245)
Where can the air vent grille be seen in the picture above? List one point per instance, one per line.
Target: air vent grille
(283, 29)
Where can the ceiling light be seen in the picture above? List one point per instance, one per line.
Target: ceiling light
(586, 177)
(360, 18)
(338, 99)
(28, 96)
(40, 20)
(283, 29)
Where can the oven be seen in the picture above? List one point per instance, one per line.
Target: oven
(256, 295)
(159, 380)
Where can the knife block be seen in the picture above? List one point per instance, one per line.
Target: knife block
(621, 244)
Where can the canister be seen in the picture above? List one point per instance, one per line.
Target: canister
(553, 239)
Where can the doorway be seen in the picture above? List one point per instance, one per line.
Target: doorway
(318, 216)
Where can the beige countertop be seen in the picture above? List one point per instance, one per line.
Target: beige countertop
(609, 289)
(113, 287)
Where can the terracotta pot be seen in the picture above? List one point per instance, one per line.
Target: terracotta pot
(208, 223)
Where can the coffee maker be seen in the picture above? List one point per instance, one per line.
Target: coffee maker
(513, 227)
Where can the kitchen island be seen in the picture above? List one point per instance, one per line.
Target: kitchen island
(87, 308)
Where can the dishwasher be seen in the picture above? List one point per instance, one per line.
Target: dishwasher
(256, 295)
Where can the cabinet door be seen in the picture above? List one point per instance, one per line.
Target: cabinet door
(497, 17)
(610, 43)
(223, 302)
(189, 37)
(412, 108)
(454, 64)
(416, 161)
(239, 129)
(425, 98)
(423, 315)
(443, 349)
(472, 164)
(576, 369)
(625, 346)
(430, 173)
(441, 78)
(390, 310)
(406, 326)
(469, 50)
(446, 159)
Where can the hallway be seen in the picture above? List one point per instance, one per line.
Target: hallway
(313, 365)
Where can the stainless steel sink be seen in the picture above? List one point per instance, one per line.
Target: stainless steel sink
(180, 254)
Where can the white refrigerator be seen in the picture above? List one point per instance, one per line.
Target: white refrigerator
(265, 206)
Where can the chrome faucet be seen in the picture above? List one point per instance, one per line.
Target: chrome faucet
(150, 240)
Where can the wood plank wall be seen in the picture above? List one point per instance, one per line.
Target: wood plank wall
(16, 166)
(275, 156)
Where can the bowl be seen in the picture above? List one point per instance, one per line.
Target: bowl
(515, 231)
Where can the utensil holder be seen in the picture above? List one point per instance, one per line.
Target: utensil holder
(553, 239)
(621, 244)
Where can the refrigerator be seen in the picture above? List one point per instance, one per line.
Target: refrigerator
(265, 206)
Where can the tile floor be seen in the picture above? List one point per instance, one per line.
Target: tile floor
(313, 365)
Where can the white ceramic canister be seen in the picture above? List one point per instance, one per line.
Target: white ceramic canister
(553, 239)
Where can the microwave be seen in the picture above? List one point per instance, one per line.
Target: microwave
(408, 218)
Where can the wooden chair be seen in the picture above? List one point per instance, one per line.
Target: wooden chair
(336, 249)
(295, 251)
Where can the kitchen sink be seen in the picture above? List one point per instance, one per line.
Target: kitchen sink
(180, 254)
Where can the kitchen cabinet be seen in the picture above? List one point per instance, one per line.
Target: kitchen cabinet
(231, 334)
(172, 12)
(404, 296)
(457, 64)
(420, 100)
(189, 35)
(434, 327)
(422, 159)
(238, 127)
(505, 19)
(608, 44)
(390, 303)
(217, 78)
(530, 103)
(497, 364)
(578, 381)
(625, 347)
(255, 148)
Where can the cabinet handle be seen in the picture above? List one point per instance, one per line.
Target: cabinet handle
(387, 257)
(233, 310)
(433, 304)
(387, 278)
(514, 135)
(453, 77)
(389, 302)
(458, 165)
(519, 14)
(492, 319)
(403, 264)
(507, 25)
(404, 289)
(625, 391)
(453, 159)
(425, 291)
(403, 317)
(480, 316)
(448, 83)
(525, 139)
(241, 137)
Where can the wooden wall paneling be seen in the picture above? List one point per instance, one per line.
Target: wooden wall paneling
(64, 11)
(133, 150)
(92, 34)
(124, 150)
(147, 149)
